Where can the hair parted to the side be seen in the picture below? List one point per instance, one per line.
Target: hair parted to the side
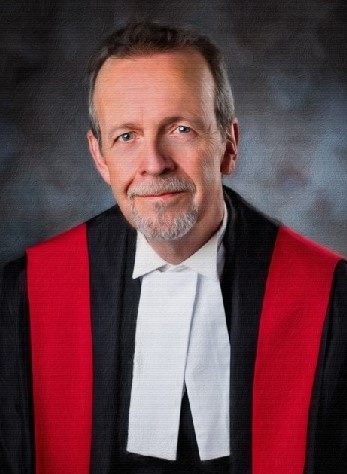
(143, 37)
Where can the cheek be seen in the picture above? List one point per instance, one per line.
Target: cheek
(119, 191)
(121, 175)
(210, 170)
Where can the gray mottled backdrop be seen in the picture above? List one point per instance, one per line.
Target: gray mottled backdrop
(287, 65)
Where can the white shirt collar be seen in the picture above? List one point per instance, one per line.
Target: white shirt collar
(147, 260)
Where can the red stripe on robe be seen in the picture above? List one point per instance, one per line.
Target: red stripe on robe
(61, 344)
(294, 309)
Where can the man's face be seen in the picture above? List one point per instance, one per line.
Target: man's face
(161, 150)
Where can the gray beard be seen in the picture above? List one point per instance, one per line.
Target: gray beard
(163, 228)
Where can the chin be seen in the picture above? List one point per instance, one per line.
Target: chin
(163, 228)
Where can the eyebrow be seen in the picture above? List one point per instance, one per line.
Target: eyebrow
(123, 126)
(162, 124)
(178, 118)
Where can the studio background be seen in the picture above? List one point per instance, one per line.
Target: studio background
(287, 64)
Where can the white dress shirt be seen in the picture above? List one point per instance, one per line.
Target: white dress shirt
(181, 340)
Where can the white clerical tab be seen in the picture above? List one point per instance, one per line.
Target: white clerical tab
(208, 371)
(161, 348)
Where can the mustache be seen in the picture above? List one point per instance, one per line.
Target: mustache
(161, 186)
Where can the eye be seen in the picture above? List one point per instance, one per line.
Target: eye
(183, 129)
(126, 137)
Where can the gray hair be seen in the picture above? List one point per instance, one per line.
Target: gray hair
(141, 38)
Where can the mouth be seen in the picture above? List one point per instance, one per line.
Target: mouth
(160, 189)
(161, 195)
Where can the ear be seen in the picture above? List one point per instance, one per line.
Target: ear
(99, 160)
(230, 155)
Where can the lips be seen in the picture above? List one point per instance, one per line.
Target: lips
(159, 195)
(160, 188)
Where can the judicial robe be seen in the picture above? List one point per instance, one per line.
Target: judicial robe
(288, 386)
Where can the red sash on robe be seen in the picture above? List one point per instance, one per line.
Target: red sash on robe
(61, 347)
(291, 323)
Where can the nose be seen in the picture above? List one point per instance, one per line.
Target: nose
(155, 159)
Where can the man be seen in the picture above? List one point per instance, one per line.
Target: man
(181, 331)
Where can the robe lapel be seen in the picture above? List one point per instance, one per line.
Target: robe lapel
(243, 287)
(113, 294)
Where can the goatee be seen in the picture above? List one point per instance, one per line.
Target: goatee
(163, 227)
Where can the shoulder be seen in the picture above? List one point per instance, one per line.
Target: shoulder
(102, 223)
(107, 234)
(303, 248)
(285, 240)
(107, 229)
(253, 231)
(246, 211)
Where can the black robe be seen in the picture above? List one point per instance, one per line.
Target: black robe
(249, 242)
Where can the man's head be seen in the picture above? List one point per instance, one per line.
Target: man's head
(143, 38)
(163, 129)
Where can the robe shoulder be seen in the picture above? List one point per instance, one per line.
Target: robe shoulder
(251, 220)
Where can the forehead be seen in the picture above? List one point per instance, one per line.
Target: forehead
(173, 75)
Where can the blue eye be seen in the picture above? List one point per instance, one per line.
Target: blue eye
(183, 129)
(126, 137)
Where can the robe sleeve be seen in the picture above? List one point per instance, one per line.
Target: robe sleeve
(327, 434)
(16, 414)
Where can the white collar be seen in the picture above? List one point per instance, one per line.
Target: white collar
(147, 260)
